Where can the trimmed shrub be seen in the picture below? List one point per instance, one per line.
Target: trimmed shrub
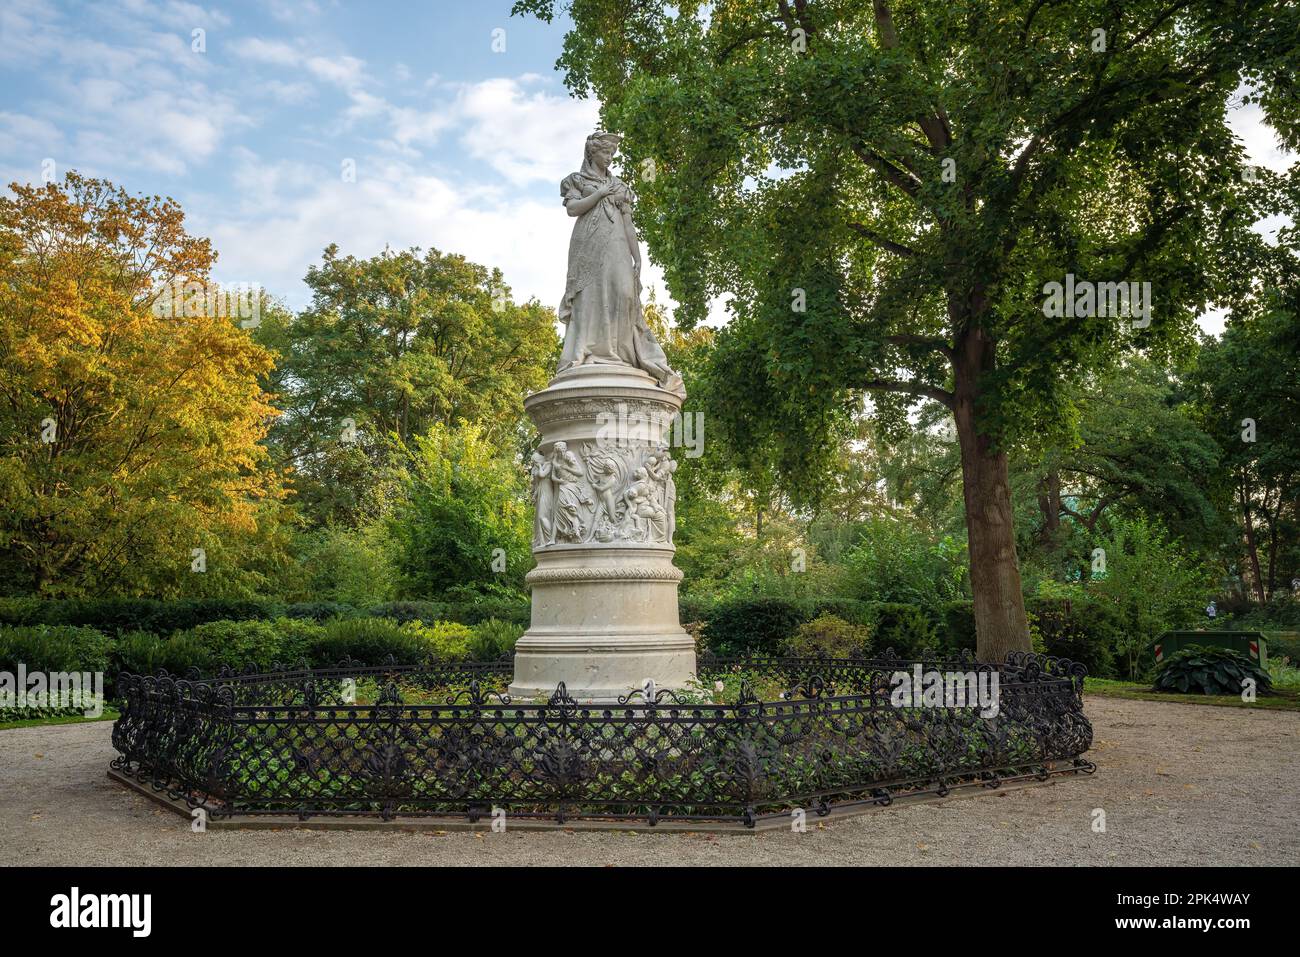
(122, 615)
(693, 609)
(1199, 669)
(906, 629)
(1083, 631)
(472, 613)
(493, 638)
(446, 640)
(830, 636)
(959, 627)
(246, 644)
(319, 610)
(466, 613)
(851, 610)
(404, 611)
(752, 627)
(20, 611)
(370, 641)
(54, 648)
(144, 653)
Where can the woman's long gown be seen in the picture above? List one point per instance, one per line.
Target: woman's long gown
(601, 305)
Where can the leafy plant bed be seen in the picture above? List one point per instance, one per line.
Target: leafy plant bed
(410, 741)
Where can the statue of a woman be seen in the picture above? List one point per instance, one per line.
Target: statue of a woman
(602, 294)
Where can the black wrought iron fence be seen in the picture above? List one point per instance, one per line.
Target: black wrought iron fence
(395, 740)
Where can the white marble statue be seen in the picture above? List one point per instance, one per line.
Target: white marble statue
(602, 294)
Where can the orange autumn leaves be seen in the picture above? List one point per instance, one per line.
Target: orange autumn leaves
(129, 435)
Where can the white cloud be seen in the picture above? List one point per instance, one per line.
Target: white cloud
(390, 204)
(523, 132)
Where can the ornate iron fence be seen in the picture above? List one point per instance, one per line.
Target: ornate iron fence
(439, 741)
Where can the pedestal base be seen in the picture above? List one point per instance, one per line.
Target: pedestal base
(604, 591)
(600, 668)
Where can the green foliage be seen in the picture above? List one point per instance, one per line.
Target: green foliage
(397, 344)
(54, 648)
(1151, 584)
(829, 636)
(1080, 629)
(251, 644)
(493, 638)
(1203, 670)
(959, 625)
(754, 627)
(144, 653)
(907, 629)
(894, 561)
(463, 530)
(371, 641)
(118, 615)
(354, 566)
(319, 610)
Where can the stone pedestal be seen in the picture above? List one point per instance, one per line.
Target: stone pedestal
(604, 592)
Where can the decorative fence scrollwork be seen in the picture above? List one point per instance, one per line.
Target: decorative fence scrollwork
(441, 742)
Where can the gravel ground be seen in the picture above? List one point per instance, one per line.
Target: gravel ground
(1180, 784)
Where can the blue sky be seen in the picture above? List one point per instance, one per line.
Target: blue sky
(455, 145)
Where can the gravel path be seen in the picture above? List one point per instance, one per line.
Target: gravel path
(1180, 784)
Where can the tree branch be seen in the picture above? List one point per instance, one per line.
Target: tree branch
(911, 387)
(893, 246)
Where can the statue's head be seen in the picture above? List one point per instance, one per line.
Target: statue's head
(602, 145)
(561, 447)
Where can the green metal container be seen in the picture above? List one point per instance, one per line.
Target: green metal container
(1249, 643)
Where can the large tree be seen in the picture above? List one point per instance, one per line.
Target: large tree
(130, 424)
(885, 187)
(391, 346)
(1249, 382)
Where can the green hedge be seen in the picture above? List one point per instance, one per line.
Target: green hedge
(252, 643)
(1084, 631)
(121, 616)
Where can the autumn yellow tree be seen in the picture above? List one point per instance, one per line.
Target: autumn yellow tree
(130, 422)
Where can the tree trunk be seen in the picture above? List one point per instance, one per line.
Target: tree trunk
(1252, 548)
(1000, 623)
(1049, 505)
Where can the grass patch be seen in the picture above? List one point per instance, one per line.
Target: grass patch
(1282, 699)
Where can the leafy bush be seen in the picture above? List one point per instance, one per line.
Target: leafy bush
(20, 611)
(1204, 670)
(122, 615)
(1283, 644)
(751, 627)
(319, 610)
(54, 648)
(504, 609)
(852, 610)
(959, 627)
(1079, 629)
(256, 644)
(445, 640)
(493, 638)
(896, 563)
(906, 629)
(369, 640)
(144, 653)
(404, 611)
(693, 609)
(830, 636)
